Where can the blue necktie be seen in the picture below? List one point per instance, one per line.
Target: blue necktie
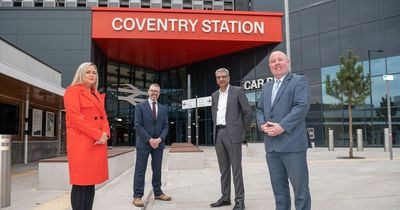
(275, 90)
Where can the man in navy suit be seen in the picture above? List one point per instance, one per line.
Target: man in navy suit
(281, 113)
(151, 125)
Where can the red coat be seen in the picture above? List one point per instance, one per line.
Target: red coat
(86, 120)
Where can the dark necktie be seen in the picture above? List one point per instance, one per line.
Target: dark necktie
(153, 110)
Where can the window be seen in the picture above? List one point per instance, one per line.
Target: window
(393, 64)
(9, 119)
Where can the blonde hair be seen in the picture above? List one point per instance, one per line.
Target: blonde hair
(80, 75)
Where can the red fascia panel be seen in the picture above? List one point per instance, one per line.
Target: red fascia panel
(166, 38)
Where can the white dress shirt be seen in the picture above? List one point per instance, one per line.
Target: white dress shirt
(222, 103)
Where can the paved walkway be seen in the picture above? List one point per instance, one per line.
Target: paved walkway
(372, 183)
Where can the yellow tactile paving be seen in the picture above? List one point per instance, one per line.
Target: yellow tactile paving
(352, 160)
(23, 173)
(62, 202)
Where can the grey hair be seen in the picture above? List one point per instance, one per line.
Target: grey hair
(80, 74)
(222, 70)
(155, 85)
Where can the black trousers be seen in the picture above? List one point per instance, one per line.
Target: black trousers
(82, 197)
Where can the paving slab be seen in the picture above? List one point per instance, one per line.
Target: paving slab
(371, 183)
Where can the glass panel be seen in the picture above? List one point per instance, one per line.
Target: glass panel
(182, 77)
(247, 61)
(124, 110)
(375, 135)
(358, 115)
(181, 131)
(393, 64)
(112, 74)
(314, 121)
(234, 67)
(9, 119)
(377, 67)
(315, 102)
(329, 102)
(124, 74)
(331, 70)
(139, 77)
(261, 64)
(395, 90)
(378, 90)
(396, 134)
(251, 97)
(338, 133)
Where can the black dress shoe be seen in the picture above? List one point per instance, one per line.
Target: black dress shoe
(220, 203)
(239, 206)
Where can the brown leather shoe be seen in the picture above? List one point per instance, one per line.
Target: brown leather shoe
(163, 197)
(138, 202)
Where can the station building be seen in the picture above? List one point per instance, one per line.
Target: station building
(139, 42)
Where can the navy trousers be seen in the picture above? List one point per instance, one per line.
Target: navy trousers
(142, 155)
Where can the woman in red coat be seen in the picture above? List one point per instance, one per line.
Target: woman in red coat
(87, 134)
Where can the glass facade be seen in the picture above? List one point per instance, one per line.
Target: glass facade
(120, 112)
(320, 32)
(371, 117)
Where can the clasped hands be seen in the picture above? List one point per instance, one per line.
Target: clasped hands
(272, 129)
(154, 143)
(103, 139)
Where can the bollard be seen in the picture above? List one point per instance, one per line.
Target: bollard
(359, 140)
(5, 170)
(386, 143)
(331, 147)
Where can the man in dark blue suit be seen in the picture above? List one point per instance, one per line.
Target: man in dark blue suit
(281, 113)
(151, 125)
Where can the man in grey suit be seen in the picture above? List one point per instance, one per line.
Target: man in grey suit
(151, 125)
(281, 114)
(231, 114)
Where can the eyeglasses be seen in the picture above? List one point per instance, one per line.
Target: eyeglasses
(222, 77)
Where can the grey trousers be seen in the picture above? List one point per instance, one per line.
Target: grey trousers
(229, 155)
